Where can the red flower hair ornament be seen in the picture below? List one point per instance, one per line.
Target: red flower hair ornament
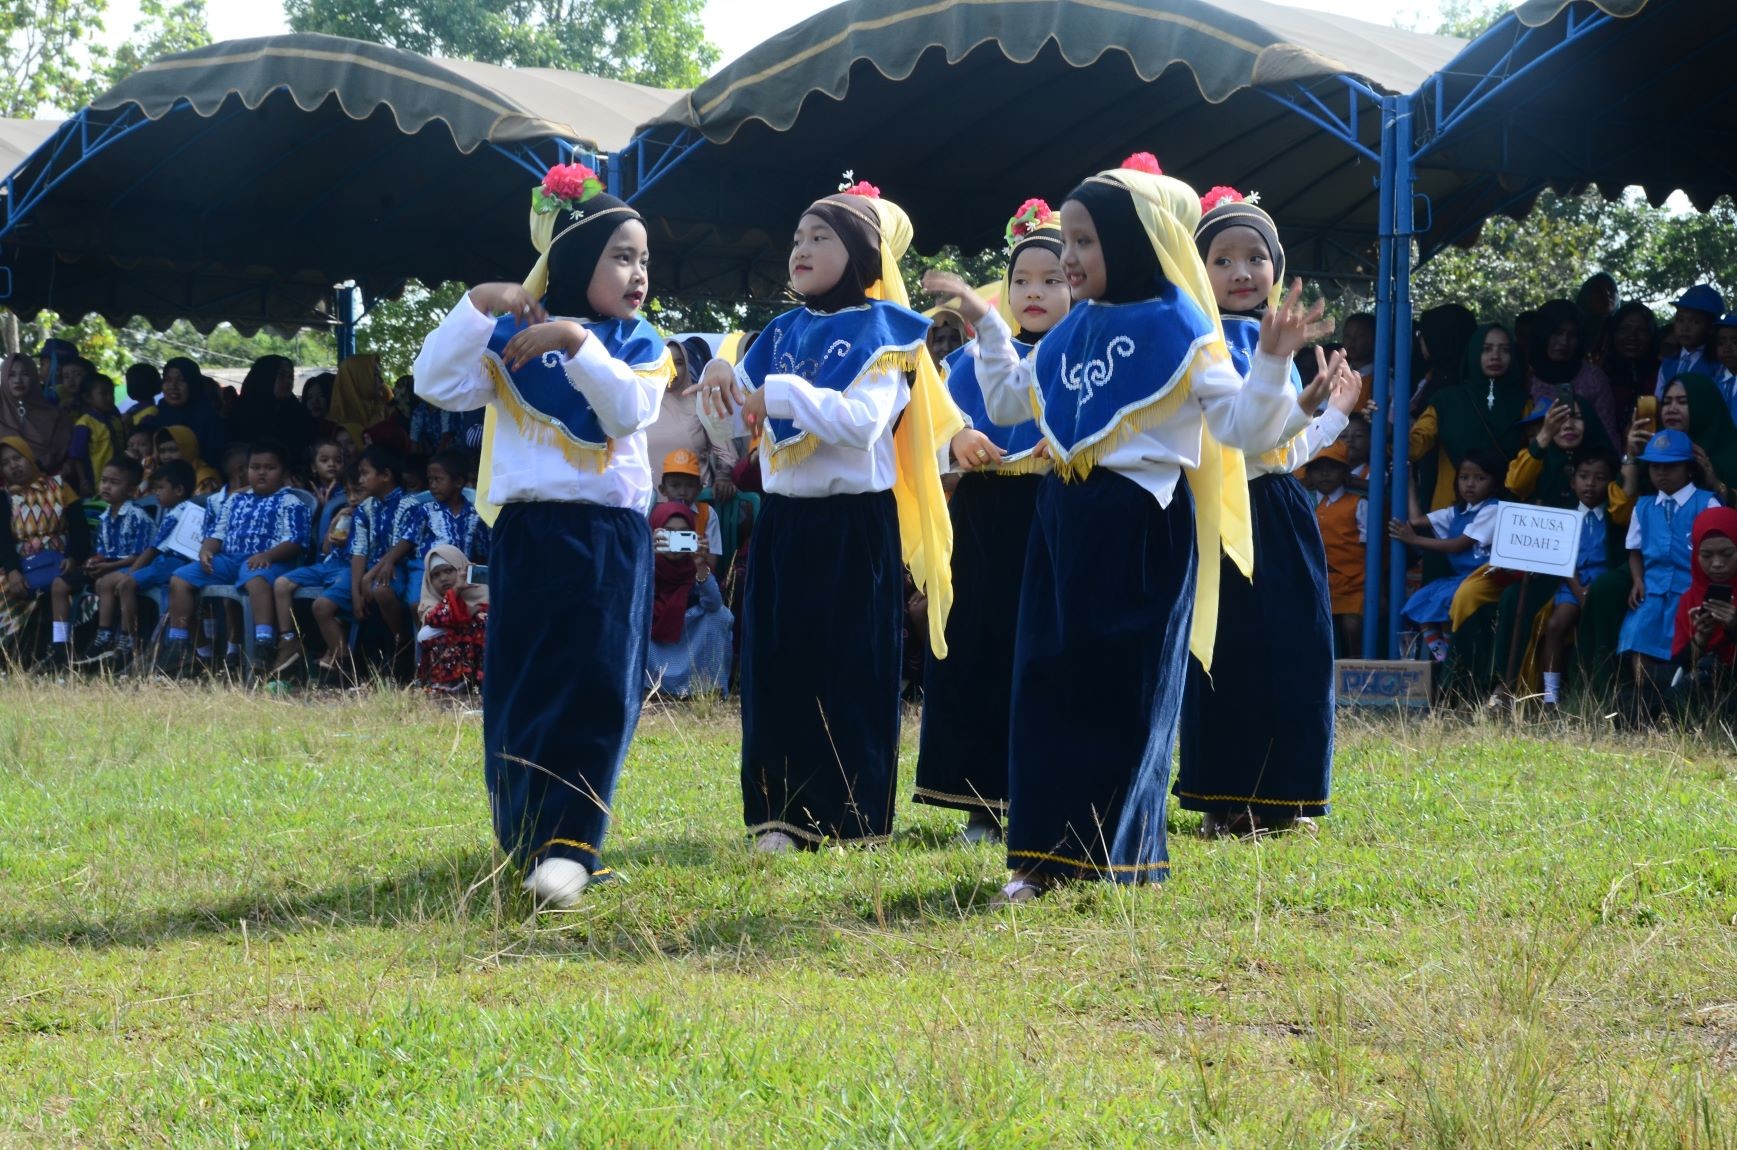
(564, 188)
(1032, 214)
(859, 188)
(1143, 162)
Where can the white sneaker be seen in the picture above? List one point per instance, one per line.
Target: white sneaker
(557, 882)
(981, 827)
(774, 843)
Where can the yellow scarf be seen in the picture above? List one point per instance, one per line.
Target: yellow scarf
(1170, 211)
(929, 421)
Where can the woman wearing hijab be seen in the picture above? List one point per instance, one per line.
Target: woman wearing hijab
(1558, 360)
(359, 399)
(269, 410)
(27, 414)
(1631, 360)
(1146, 420)
(1596, 301)
(853, 417)
(1483, 411)
(1705, 641)
(680, 428)
(1442, 335)
(570, 384)
(187, 403)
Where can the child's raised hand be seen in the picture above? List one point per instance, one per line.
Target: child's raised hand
(1316, 391)
(512, 299)
(1347, 385)
(972, 450)
(720, 393)
(945, 286)
(754, 409)
(1553, 421)
(534, 342)
(1290, 327)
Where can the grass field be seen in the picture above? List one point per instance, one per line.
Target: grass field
(235, 919)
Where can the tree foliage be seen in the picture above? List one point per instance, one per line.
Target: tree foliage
(1654, 253)
(657, 42)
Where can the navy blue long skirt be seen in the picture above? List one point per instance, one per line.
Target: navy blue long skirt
(968, 696)
(563, 671)
(821, 643)
(1099, 665)
(1257, 736)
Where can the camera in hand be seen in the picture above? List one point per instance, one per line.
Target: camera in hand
(682, 542)
(1719, 592)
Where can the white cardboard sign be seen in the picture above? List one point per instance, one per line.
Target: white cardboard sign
(1542, 540)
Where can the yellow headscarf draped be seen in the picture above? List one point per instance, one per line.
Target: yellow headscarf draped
(1169, 210)
(356, 400)
(928, 422)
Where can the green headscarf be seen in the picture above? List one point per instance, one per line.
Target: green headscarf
(1710, 426)
(1478, 412)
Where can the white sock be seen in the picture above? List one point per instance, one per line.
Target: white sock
(209, 627)
(1552, 685)
(61, 631)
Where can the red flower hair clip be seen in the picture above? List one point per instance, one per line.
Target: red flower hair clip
(565, 187)
(860, 188)
(1032, 214)
(1219, 196)
(1143, 162)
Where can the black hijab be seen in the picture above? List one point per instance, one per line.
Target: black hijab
(1548, 320)
(573, 257)
(1131, 269)
(1242, 214)
(1048, 240)
(1446, 330)
(862, 242)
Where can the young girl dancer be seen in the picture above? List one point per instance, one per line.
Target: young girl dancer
(1268, 766)
(570, 383)
(1136, 396)
(849, 461)
(962, 755)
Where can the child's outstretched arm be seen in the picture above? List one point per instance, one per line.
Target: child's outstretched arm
(1005, 379)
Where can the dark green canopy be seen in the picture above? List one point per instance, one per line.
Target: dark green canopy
(240, 182)
(960, 109)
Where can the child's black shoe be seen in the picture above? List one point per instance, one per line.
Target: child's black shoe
(98, 652)
(174, 658)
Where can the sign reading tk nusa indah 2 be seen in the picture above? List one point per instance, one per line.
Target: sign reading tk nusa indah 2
(1542, 540)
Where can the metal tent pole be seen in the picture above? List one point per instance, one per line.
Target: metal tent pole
(1377, 519)
(1403, 226)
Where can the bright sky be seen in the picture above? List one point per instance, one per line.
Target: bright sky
(733, 25)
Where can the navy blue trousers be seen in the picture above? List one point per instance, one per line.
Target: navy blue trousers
(1257, 736)
(1099, 665)
(563, 671)
(967, 697)
(821, 644)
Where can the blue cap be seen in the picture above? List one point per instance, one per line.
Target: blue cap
(1729, 319)
(1668, 446)
(1540, 407)
(1703, 298)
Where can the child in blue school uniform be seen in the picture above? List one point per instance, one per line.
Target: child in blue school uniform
(179, 523)
(446, 518)
(1659, 547)
(1462, 532)
(330, 574)
(571, 377)
(258, 536)
(123, 532)
(1591, 485)
(1725, 351)
(1698, 310)
(370, 574)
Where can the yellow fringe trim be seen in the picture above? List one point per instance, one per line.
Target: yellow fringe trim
(977, 802)
(1253, 800)
(1030, 465)
(539, 428)
(804, 445)
(1155, 411)
(1087, 865)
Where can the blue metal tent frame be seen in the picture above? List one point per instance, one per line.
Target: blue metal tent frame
(1403, 149)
